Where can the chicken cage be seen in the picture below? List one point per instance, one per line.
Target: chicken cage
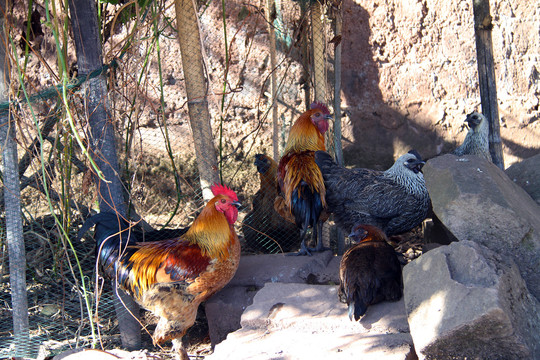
(212, 98)
(261, 69)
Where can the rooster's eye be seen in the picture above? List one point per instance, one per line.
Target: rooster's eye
(223, 201)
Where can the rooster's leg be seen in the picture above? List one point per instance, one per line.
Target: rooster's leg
(180, 350)
(317, 233)
(303, 248)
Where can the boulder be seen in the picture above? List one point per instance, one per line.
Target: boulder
(526, 174)
(464, 301)
(476, 201)
(329, 275)
(224, 309)
(256, 270)
(302, 321)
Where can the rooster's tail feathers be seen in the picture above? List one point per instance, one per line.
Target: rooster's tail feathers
(357, 307)
(307, 206)
(111, 232)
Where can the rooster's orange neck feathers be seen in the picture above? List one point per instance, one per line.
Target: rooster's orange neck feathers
(304, 135)
(212, 232)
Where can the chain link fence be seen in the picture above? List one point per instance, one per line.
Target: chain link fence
(246, 96)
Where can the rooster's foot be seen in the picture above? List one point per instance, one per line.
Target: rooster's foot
(178, 347)
(304, 250)
(319, 249)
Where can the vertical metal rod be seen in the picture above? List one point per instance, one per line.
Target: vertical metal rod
(12, 201)
(271, 16)
(338, 151)
(317, 28)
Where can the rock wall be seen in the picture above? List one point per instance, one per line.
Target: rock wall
(410, 77)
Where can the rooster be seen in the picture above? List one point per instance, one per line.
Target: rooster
(369, 272)
(172, 277)
(395, 200)
(477, 139)
(300, 180)
(264, 229)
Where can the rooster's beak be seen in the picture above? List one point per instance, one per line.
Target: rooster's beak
(237, 204)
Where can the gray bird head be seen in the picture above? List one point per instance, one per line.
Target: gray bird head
(474, 119)
(413, 161)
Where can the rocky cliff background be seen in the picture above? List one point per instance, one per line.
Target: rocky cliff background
(410, 77)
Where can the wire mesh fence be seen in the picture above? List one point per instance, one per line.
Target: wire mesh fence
(153, 105)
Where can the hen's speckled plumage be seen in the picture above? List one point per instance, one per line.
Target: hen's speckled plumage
(395, 200)
(477, 139)
(369, 272)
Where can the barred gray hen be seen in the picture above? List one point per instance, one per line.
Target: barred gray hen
(395, 200)
(369, 272)
(476, 141)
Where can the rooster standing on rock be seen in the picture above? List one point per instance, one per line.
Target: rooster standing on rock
(172, 277)
(395, 200)
(300, 179)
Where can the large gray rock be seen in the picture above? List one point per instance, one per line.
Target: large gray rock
(256, 270)
(526, 174)
(476, 201)
(465, 301)
(224, 309)
(301, 321)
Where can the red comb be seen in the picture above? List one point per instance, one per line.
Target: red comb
(320, 106)
(218, 189)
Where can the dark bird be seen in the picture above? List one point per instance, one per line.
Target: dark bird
(172, 277)
(108, 223)
(395, 200)
(264, 229)
(477, 139)
(369, 272)
(300, 179)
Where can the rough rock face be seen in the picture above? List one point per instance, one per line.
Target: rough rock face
(301, 321)
(465, 301)
(223, 311)
(410, 77)
(476, 201)
(526, 174)
(256, 270)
